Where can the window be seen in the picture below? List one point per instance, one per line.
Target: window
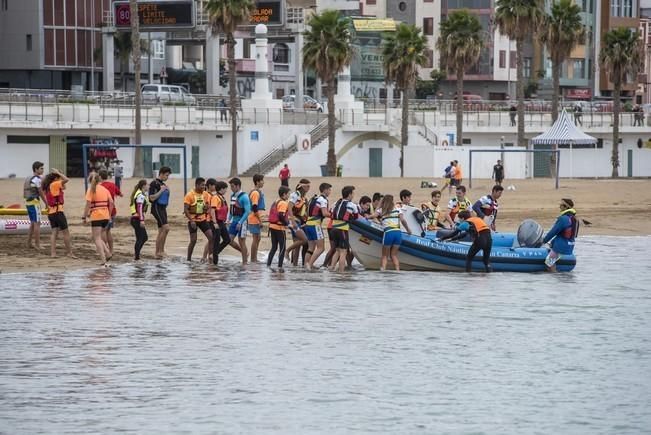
(173, 161)
(627, 8)
(174, 140)
(294, 15)
(614, 8)
(370, 2)
(579, 68)
(402, 6)
(502, 58)
(428, 26)
(281, 53)
(158, 49)
(28, 41)
(527, 67)
(5, 5)
(513, 60)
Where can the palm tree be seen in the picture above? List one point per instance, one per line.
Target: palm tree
(327, 51)
(122, 50)
(225, 16)
(562, 30)
(404, 52)
(138, 165)
(460, 46)
(517, 19)
(622, 53)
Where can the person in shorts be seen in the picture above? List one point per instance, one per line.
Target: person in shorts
(196, 207)
(114, 190)
(255, 217)
(53, 186)
(344, 211)
(239, 214)
(159, 197)
(33, 194)
(99, 205)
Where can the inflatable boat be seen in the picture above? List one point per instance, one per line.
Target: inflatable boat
(425, 252)
(21, 226)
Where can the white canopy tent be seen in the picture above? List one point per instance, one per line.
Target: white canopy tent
(564, 132)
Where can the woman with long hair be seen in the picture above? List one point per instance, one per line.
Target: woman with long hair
(53, 186)
(391, 218)
(139, 204)
(99, 205)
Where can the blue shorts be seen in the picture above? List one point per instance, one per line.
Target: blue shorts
(313, 232)
(254, 229)
(299, 225)
(34, 212)
(232, 230)
(392, 238)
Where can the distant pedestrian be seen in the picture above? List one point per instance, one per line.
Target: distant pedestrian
(578, 113)
(638, 116)
(223, 113)
(498, 173)
(513, 111)
(284, 175)
(118, 174)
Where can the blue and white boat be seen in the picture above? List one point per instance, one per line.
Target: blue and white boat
(427, 253)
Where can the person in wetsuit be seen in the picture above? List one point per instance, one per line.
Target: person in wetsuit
(481, 238)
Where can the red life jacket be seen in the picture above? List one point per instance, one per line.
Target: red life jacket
(236, 209)
(572, 231)
(51, 200)
(222, 211)
(274, 217)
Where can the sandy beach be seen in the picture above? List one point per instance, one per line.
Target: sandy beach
(613, 207)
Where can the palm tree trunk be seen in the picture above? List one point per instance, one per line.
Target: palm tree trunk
(123, 67)
(138, 169)
(520, 91)
(459, 104)
(556, 83)
(614, 158)
(232, 98)
(332, 157)
(404, 129)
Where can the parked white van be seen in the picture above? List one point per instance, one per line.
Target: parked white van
(158, 93)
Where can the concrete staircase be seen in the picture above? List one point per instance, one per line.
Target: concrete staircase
(275, 157)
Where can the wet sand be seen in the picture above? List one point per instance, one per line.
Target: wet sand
(613, 207)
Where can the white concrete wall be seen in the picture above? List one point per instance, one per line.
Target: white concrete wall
(18, 158)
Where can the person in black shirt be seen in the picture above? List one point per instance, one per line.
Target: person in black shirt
(498, 173)
(159, 196)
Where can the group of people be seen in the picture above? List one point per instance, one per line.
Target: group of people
(229, 222)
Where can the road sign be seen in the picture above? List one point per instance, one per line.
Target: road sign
(155, 15)
(269, 13)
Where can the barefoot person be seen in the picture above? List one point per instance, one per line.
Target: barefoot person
(391, 218)
(481, 238)
(99, 206)
(219, 210)
(159, 197)
(53, 187)
(562, 235)
(298, 214)
(240, 209)
(278, 221)
(138, 205)
(33, 195)
(344, 211)
(114, 190)
(317, 210)
(196, 206)
(255, 218)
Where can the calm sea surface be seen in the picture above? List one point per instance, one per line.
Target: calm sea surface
(188, 349)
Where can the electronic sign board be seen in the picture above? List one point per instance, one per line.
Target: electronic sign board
(156, 15)
(269, 13)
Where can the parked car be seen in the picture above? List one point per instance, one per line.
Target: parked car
(158, 93)
(309, 103)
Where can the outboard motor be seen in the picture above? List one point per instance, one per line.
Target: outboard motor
(530, 234)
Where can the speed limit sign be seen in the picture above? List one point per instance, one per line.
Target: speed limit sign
(122, 15)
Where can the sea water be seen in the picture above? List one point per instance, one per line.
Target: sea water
(177, 348)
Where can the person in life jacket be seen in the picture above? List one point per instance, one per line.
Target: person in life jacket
(255, 218)
(376, 200)
(33, 195)
(99, 206)
(457, 204)
(457, 174)
(317, 210)
(278, 221)
(219, 216)
(448, 173)
(115, 191)
(432, 212)
(562, 235)
(298, 216)
(486, 207)
(391, 217)
(239, 214)
(159, 197)
(196, 207)
(344, 211)
(208, 248)
(53, 186)
(481, 238)
(138, 205)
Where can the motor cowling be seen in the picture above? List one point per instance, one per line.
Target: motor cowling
(530, 234)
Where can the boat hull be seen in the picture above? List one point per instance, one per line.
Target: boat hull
(422, 253)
